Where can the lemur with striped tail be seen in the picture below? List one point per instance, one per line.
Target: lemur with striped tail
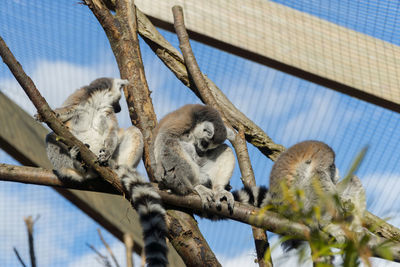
(90, 114)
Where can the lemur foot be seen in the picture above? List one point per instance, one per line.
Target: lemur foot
(224, 195)
(74, 152)
(206, 195)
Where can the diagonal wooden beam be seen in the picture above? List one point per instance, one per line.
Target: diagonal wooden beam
(293, 42)
(23, 138)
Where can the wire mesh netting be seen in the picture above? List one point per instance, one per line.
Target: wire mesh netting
(62, 47)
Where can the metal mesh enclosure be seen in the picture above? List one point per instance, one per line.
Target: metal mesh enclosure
(351, 44)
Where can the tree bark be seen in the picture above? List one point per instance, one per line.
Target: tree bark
(175, 62)
(29, 222)
(121, 31)
(48, 115)
(268, 220)
(260, 236)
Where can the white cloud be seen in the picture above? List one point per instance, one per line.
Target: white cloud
(322, 117)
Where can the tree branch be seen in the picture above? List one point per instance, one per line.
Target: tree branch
(104, 260)
(19, 257)
(268, 220)
(248, 179)
(175, 62)
(125, 46)
(29, 222)
(108, 248)
(48, 115)
(128, 241)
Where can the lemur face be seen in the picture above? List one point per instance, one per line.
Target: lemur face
(116, 93)
(203, 134)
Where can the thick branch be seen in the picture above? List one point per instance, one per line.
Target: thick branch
(268, 220)
(51, 119)
(175, 62)
(260, 237)
(125, 46)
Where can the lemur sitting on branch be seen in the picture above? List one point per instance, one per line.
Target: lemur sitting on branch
(309, 168)
(90, 114)
(188, 154)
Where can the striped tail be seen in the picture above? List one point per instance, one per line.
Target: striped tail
(255, 196)
(147, 202)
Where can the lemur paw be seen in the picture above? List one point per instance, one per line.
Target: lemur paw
(74, 152)
(221, 195)
(104, 156)
(206, 195)
(38, 117)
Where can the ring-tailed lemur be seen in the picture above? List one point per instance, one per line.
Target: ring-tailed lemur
(309, 167)
(89, 113)
(188, 154)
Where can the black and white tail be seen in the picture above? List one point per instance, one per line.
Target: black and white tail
(147, 202)
(255, 196)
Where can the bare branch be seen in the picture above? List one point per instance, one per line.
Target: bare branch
(125, 46)
(260, 237)
(268, 220)
(19, 257)
(175, 62)
(29, 226)
(51, 119)
(128, 241)
(249, 180)
(108, 248)
(103, 259)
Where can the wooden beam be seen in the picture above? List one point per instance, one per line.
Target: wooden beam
(293, 42)
(23, 138)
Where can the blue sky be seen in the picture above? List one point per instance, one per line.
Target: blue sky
(62, 47)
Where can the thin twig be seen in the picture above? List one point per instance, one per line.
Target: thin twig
(19, 257)
(108, 248)
(29, 226)
(103, 258)
(128, 241)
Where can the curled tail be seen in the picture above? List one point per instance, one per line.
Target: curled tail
(147, 202)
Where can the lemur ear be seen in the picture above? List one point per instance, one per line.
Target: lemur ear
(121, 82)
(230, 134)
(209, 127)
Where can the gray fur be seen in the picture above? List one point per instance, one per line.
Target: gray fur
(189, 155)
(89, 113)
(297, 168)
